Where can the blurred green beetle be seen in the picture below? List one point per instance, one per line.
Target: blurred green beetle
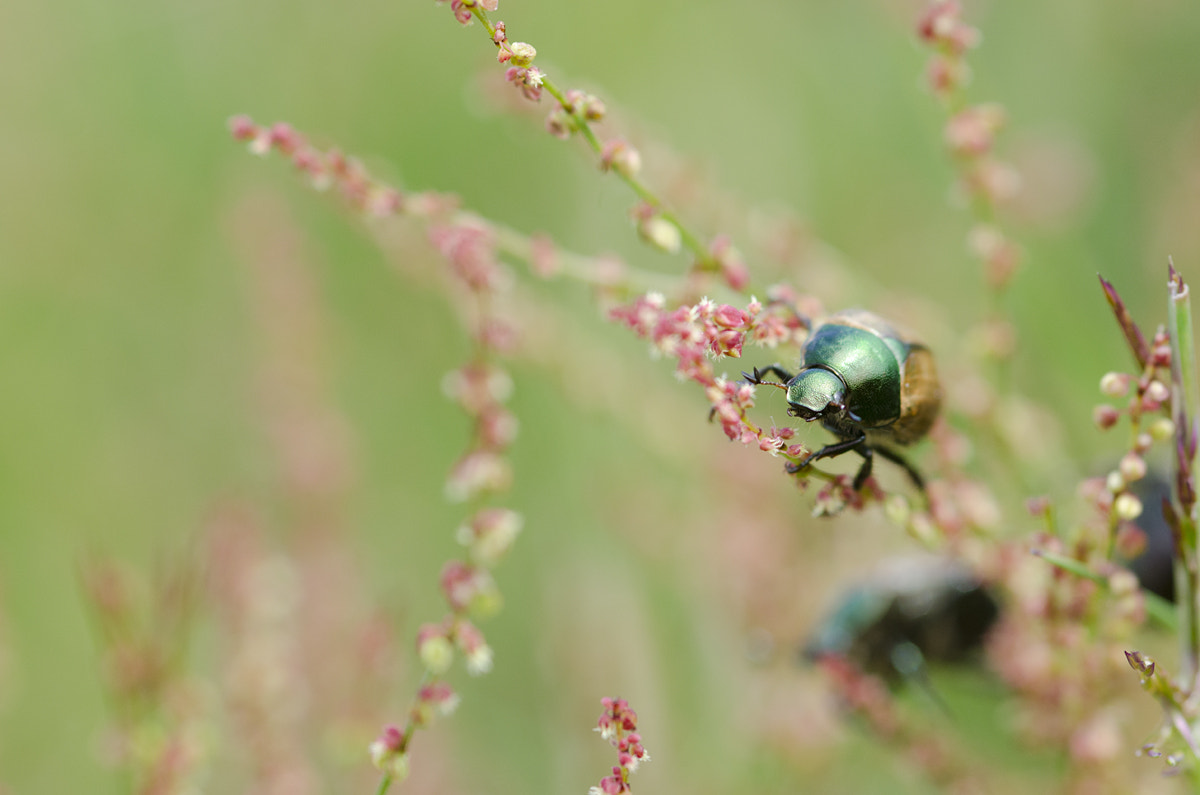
(871, 386)
(908, 612)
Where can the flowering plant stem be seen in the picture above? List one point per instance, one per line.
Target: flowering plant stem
(704, 258)
(1183, 373)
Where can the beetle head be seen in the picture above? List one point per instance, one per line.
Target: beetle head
(816, 393)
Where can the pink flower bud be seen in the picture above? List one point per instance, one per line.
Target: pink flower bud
(1133, 467)
(661, 233)
(970, 132)
(1115, 385)
(1128, 507)
(617, 155)
(1162, 429)
(434, 648)
(730, 317)
(522, 54)
(1131, 541)
(1158, 392)
(1105, 416)
(242, 128)
(478, 472)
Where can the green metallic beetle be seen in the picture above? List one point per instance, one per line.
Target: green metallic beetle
(871, 386)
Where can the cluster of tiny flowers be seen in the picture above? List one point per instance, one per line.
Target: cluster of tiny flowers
(1057, 643)
(388, 754)
(618, 725)
(463, 8)
(157, 729)
(942, 28)
(1146, 393)
(469, 246)
(324, 168)
(518, 55)
(481, 387)
(697, 335)
(970, 134)
(577, 108)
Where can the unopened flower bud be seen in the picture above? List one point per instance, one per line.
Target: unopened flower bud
(619, 156)
(1162, 429)
(1128, 507)
(593, 108)
(1115, 483)
(387, 756)
(1105, 416)
(1123, 582)
(242, 128)
(1140, 663)
(559, 124)
(1133, 467)
(1115, 385)
(661, 233)
(523, 54)
(490, 534)
(436, 652)
(474, 647)
(1158, 392)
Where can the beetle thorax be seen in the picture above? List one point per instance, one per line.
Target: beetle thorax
(817, 393)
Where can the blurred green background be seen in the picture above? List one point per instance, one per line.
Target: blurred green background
(134, 341)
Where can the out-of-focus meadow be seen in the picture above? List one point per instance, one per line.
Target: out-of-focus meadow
(197, 345)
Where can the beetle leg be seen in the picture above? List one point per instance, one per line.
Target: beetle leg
(896, 458)
(832, 450)
(864, 471)
(757, 376)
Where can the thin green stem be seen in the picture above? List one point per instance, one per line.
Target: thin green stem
(1183, 373)
(1157, 608)
(704, 259)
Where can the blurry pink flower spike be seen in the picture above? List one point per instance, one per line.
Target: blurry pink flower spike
(941, 26)
(466, 587)
(477, 473)
(619, 156)
(474, 647)
(945, 75)
(971, 131)
(618, 725)
(470, 248)
(434, 647)
(543, 256)
(437, 699)
(325, 169)
(242, 128)
(729, 260)
(388, 753)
